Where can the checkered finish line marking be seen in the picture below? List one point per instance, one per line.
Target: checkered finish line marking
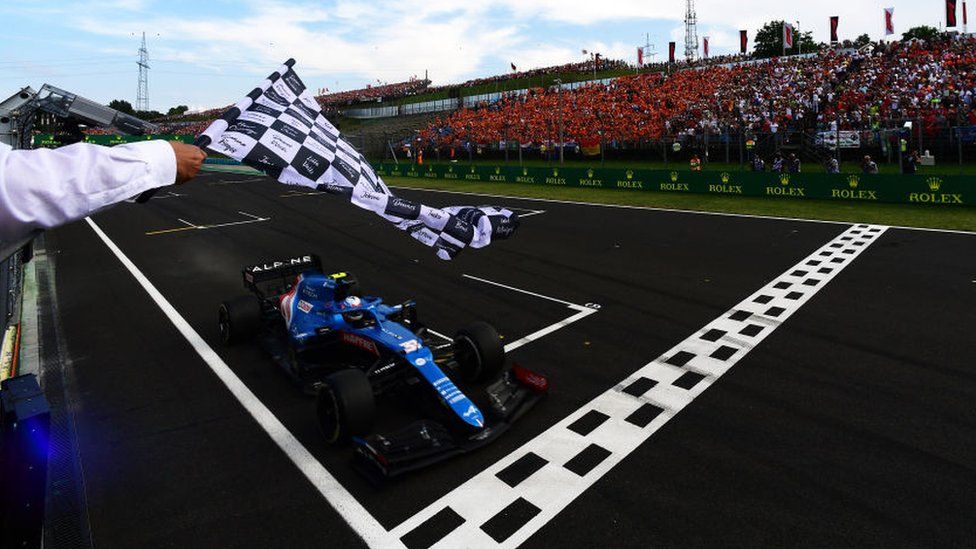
(511, 500)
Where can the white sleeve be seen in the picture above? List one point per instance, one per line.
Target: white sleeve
(44, 188)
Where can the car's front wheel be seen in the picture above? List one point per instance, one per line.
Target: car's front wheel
(478, 352)
(345, 406)
(239, 319)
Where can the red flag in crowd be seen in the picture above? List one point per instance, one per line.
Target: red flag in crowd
(743, 41)
(514, 68)
(705, 46)
(889, 17)
(671, 46)
(787, 36)
(640, 57)
(950, 13)
(834, 23)
(590, 146)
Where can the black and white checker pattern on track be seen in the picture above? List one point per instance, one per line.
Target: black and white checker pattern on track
(512, 499)
(279, 129)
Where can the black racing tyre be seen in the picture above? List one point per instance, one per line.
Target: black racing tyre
(239, 319)
(479, 352)
(345, 406)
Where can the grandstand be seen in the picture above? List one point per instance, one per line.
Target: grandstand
(787, 101)
(718, 107)
(931, 82)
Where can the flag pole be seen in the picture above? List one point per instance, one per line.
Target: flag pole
(799, 45)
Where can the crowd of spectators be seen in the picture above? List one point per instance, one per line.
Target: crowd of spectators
(384, 92)
(929, 82)
(932, 82)
(582, 67)
(195, 122)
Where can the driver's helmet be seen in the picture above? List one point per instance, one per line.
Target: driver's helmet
(353, 302)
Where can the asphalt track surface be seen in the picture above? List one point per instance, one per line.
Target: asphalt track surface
(852, 424)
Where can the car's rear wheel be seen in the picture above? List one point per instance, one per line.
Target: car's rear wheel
(478, 352)
(345, 406)
(239, 319)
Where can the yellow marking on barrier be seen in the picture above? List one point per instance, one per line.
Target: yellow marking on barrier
(7, 353)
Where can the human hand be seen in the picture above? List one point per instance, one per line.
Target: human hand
(189, 158)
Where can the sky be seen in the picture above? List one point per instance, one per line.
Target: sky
(209, 54)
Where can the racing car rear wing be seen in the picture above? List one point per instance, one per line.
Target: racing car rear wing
(276, 276)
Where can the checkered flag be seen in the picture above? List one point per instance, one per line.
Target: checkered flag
(279, 129)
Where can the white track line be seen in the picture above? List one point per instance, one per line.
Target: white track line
(675, 210)
(293, 194)
(233, 223)
(529, 213)
(520, 290)
(355, 515)
(158, 197)
(582, 311)
(574, 457)
(254, 219)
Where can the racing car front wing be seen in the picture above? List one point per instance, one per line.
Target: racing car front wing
(425, 442)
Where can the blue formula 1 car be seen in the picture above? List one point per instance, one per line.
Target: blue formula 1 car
(349, 349)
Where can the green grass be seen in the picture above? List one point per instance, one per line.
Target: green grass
(904, 215)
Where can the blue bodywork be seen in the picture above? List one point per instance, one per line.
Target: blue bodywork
(311, 312)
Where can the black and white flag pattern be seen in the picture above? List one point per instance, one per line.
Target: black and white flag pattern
(279, 129)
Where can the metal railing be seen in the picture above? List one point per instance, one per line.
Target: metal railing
(948, 150)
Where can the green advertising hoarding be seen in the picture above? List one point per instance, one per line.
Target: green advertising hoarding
(47, 140)
(905, 189)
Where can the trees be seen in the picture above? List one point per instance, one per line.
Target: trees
(858, 42)
(149, 116)
(769, 41)
(923, 32)
(122, 106)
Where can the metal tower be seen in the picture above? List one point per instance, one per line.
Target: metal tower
(649, 49)
(142, 94)
(691, 32)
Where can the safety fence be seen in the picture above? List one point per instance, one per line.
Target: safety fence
(945, 190)
(950, 148)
